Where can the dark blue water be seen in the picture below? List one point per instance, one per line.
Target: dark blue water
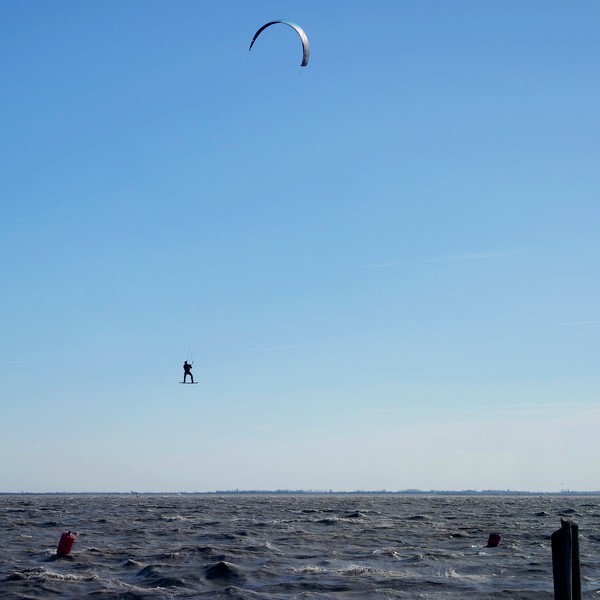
(305, 546)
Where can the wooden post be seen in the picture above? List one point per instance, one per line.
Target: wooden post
(565, 562)
(575, 564)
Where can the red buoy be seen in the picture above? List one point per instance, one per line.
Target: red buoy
(493, 540)
(67, 539)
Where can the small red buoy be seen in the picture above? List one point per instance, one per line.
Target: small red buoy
(67, 539)
(493, 540)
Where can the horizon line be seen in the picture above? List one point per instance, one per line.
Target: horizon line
(287, 492)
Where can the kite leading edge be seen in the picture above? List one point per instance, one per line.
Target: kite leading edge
(297, 29)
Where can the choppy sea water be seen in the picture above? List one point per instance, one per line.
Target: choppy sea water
(290, 546)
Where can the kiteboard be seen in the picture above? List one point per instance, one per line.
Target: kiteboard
(188, 382)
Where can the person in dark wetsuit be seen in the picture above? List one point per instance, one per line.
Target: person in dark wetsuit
(187, 370)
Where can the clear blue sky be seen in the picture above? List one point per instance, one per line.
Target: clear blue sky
(386, 262)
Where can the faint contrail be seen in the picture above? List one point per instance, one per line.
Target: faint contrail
(449, 258)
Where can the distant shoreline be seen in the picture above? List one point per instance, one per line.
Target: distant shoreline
(408, 492)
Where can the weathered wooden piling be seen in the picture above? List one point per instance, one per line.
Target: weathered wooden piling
(565, 562)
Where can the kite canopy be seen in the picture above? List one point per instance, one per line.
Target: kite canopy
(297, 29)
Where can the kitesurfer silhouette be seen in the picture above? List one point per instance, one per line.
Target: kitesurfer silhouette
(187, 370)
